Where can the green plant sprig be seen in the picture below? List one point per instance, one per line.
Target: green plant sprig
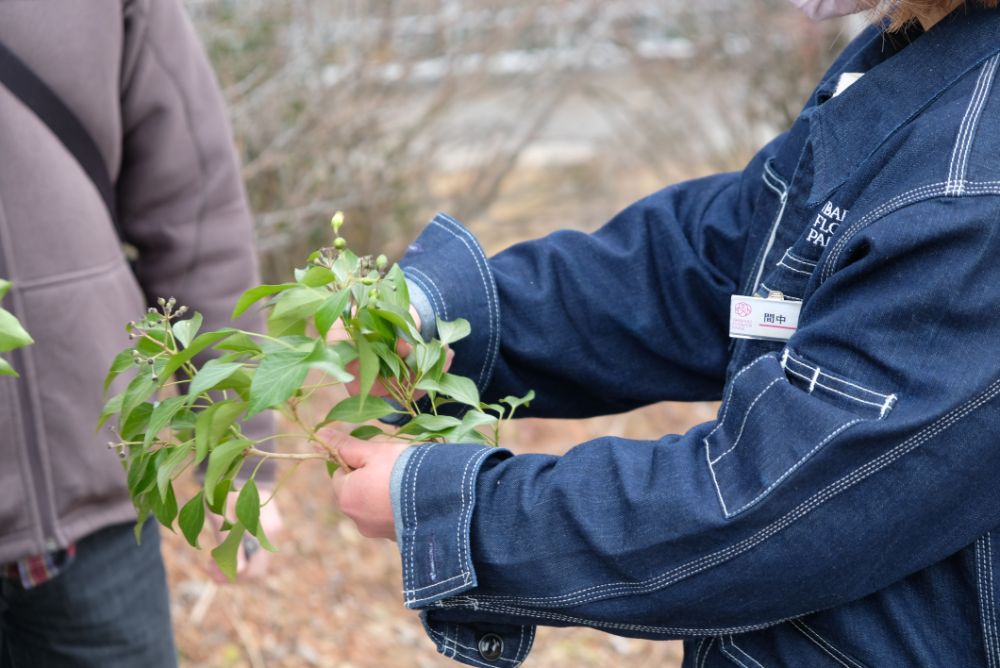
(339, 309)
(12, 334)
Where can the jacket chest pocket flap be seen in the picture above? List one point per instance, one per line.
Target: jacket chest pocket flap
(779, 411)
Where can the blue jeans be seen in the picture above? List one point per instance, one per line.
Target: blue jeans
(108, 609)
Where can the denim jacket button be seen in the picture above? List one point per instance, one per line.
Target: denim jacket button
(491, 647)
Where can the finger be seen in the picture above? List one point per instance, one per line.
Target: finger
(354, 452)
(339, 480)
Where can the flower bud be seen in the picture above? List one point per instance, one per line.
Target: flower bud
(340, 243)
(381, 261)
(337, 221)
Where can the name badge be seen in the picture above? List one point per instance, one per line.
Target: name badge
(772, 319)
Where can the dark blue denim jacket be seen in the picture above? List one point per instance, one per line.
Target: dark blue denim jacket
(844, 508)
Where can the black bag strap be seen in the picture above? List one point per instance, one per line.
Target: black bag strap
(42, 100)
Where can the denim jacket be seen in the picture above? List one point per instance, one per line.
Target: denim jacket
(843, 509)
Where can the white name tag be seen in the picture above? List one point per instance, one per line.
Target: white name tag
(758, 318)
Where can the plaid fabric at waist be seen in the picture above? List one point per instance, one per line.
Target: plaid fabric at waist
(38, 569)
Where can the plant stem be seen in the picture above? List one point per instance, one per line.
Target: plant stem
(293, 456)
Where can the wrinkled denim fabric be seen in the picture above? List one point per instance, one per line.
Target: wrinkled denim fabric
(843, 508)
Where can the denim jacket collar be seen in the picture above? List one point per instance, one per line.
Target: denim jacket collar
(848, 129)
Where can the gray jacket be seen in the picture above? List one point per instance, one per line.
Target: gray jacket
(136, 76)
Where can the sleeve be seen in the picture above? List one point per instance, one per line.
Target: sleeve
(180, 197)
(872, 432)
(602, 323)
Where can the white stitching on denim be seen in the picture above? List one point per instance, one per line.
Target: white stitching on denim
(732, 641)
(991, 591)
(413, 514)
(809, 379)
(781, 263)
(984, 614)
(891, 206)
(815, 379)
(788, 297)
(465, 516)
(609, 590)
(697, 654)
(802, 362)
(435, 291)
(832, 435)
(795, 258)
(782, 186)
(492, 299)
(437, 595)
(746, 417)
(420, 283)
(967, 131)
(825, 645)
(462, 575)
(730, 655)
(715, 481)
(729, 395)
(708, 650)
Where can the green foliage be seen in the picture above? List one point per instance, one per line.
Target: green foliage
(344, 318)
(12, 334)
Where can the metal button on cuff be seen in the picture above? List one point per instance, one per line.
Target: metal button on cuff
(491, 647)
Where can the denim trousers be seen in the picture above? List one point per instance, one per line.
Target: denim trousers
(108, 609)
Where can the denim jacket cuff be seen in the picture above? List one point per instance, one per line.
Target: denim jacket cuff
(450, 269)
(434, 491)
(481, 644)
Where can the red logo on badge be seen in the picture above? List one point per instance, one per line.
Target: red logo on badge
(743, 309)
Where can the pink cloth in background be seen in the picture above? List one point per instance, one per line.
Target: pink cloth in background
(827, 9)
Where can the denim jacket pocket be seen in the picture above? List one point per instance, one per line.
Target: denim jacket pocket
(779, 411)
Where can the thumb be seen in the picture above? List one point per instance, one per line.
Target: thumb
(354, 452)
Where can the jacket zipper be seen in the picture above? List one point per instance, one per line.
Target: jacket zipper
(26, 409)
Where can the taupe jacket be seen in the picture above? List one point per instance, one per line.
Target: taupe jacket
(135, 75)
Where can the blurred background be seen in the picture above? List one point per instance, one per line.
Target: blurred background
(518, 118)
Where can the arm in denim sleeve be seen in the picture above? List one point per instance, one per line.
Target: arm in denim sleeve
(632, 314)
(838, 465)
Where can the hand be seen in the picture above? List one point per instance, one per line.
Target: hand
(363, 494)
(252, 561)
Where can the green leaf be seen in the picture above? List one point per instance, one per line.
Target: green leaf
(279, 375)
(254, 295)
(185, 330)
(212, 424)
(389, 357)
(401, 320)
(326, 359)
(210, 375)
(375, 324)
(162, 414)
(430, 423)
(122, 362)
(135, 425)
(394, 290)
(226, 554)
(471, 421)
(7, 370)
(165, 508)
(368, 362)
(192, 519)
(456, 330)
(165, 470)
(297, 304)
(426, 356)
(330, 310)
(12, 334)
(137, 392)
(5, 286)
(514, 402)
(219, 461)
(366, 432)
(239, 342)
(459, 388)
(114, 405)
(153, 342)
(220, 493)
(351, 410)
(331, 468)
(248, 506)
(199, 344)
(315, 277)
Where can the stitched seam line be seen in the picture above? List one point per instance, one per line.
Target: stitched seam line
(920, 194)
(963, 128)
(729, 395)
(823, 374)
(759, 265)
(815, 501)
(731, 656)
(491, 298)
(825, 645)
(981, 595)
(434, 294)
(992, 602)
(814, 383)
(732, 641)
(746, 417)
(708, 650)
(781, 263)
(789, 255)
(970, 123)
(408, 575)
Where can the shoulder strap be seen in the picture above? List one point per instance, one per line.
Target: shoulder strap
(42, 100)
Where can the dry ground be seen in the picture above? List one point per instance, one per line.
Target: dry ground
(333, 597)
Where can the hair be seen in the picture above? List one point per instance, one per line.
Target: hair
(900, 13)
